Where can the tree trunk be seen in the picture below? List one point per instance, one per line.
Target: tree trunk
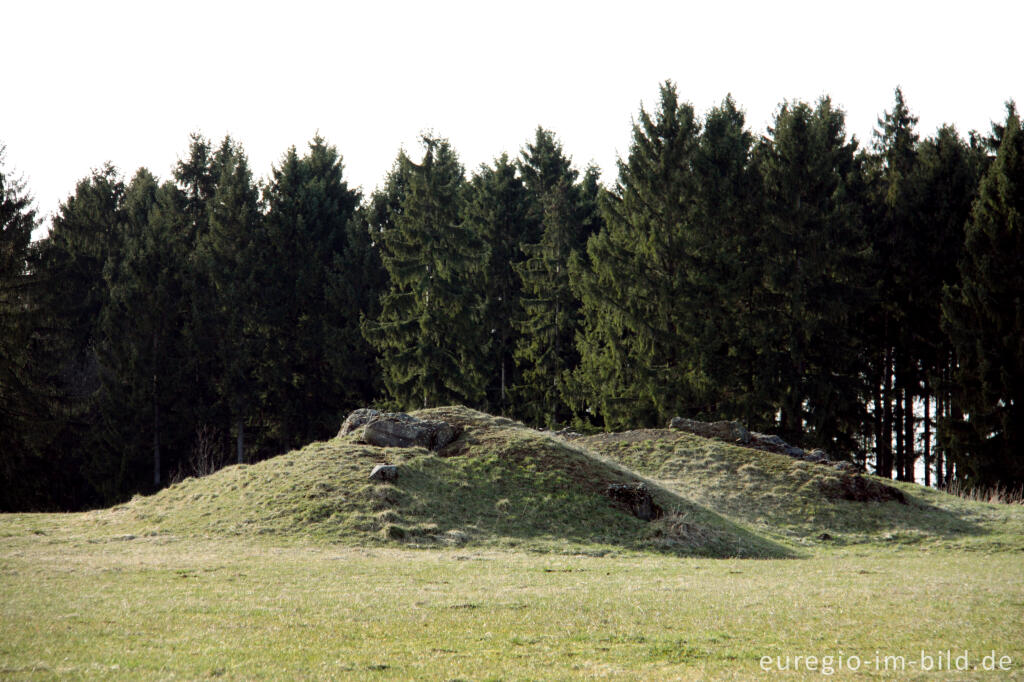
(885, 455)
(909, 456)
(927, 438)
(502, 384)
(156, 437)
(901, 452)
(877, 419)
(241, 440)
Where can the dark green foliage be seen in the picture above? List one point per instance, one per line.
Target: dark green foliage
(497, 211)
(984, 317)
(429, 337)
(309, 213)
(227, 265)
(896, 234)
(562, 215)
(21, 406)
(197, 175)
(812, 252)
(795, 283)
(141, 352)
(353, 288)
(17, 220)
(667, 271)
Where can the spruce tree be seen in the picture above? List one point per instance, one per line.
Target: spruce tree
(229, 266)
(309, 213)
(558, 224)
(897, 236)
(71, 296)
(635, 368)
(22, 408)
(17, 220)
(546, 350)
(945, 182)
(812, 248)
(428, 333)
(984, 317)
(142, 351)
(497, 211)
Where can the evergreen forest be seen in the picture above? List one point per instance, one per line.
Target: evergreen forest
(863, 297)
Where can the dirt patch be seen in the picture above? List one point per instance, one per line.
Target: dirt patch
(857, 488)
(634, 498)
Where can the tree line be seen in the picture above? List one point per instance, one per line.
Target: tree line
(867, 300)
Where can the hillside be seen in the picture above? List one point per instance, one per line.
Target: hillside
(499, 484)
(802, 502)
(502, 484)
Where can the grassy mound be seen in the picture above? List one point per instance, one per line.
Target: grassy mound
(801, 502)
(500, 484)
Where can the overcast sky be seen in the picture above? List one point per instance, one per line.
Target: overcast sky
(88, 82)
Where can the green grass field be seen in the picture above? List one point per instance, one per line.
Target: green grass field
(500, 558)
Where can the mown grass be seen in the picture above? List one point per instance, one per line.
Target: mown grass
(501, 558)
(76, 606)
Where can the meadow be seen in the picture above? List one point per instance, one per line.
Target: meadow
(497, 561)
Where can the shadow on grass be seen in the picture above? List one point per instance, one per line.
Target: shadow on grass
(538, 491)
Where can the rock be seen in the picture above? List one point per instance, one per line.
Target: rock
(734, 432)
(358, 418)
(818, 455)
(766, 442)
(634, 498)
(397, 430)
(849, 467)
(384, 472)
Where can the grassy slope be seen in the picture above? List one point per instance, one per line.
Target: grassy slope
(782, 498)
(499, 484)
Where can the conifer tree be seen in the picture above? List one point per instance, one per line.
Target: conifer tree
(984, 317)
(945, 183)
(546, 350)
(17, 220)
(142, 353)
(21, 407)
(196, 176)
(559, 217)
(72, 295)
(428, 334)
(812, 249)
(229, 265)
(309, 211)
(497, 211)
(897, 237)
(635, 368)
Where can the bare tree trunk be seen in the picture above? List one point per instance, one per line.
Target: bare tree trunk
(241, 441)
(877, 419)
(901, 452)
(909, 457)
(156, 437)
(956, 415)
(503, 384)
(885, 455)
(927, 437)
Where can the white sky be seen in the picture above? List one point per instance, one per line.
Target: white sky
(87, 82)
